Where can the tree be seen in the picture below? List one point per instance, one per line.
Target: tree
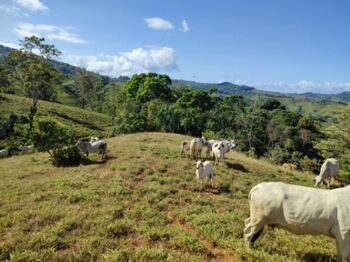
(84, 87)
(34, 74)
(146, 87)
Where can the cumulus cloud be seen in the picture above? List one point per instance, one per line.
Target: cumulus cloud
(127, 63)
(304, 86)
(32, 5)
(184, 26)
(158, 23)
(51, 32)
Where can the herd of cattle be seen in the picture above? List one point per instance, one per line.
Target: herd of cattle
(298, 209)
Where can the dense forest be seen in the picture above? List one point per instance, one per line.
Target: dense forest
(263, 127)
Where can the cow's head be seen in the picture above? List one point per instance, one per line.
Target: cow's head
(199, 165)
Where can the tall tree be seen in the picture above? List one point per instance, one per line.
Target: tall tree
(34, 73)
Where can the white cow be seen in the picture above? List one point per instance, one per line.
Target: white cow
(99, 146)
(328, 172)
(300, 210)
(228, 145)
(196, 146)
(218, 151)
(4, 152)
(204, 172)
(25, 149)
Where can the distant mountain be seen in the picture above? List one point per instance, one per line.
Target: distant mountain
(224, 88)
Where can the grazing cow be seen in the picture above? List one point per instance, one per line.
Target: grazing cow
(300, 210)
(328, 172)
(228, 145)
(218, 151)
(289, 166)
(4, 152)
(204, 172)
(185, 146)
(99, 146)
(25, 149)
(196, 147)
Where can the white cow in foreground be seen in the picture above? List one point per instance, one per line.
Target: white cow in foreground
(301, 210)
(4, 152)
(99, 146)
(204, 172)
(25, 149)
(328, 172)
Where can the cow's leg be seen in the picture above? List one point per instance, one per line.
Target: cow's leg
(343, 249)
(252, 231)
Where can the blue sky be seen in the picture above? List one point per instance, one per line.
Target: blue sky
(280, 45)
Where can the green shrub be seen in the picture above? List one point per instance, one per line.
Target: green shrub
(345, 167)
(309, 164)
(69, 156)
(279, 155)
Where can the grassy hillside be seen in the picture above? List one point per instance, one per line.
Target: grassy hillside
(142, 205)
(85, 122)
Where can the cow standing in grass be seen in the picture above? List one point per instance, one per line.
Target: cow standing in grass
(99, 146)
(196, 146)
(328, 172)
(300, 210)
(204, 172)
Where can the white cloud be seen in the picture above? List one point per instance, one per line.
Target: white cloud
(159, 23)
(32, 5)
(304, 86)
(184, 26)
(127, 63)
(51, 32)
(11, 45)
(9, 9)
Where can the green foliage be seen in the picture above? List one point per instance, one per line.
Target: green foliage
(345, 167)
(279, 155)
(145, 87)
(308, 164)
(67, 156)
(51, 136)
(33, 75)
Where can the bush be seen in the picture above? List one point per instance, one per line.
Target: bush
(309, 164)
(50, 135)
(279, 155)
(344, 172)
(69, 156)
(55, 138)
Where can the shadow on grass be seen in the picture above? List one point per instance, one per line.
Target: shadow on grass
(236, 166)
(314, 257)
(80, 122)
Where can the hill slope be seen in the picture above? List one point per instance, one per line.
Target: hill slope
(142, 205)
(86, 123)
